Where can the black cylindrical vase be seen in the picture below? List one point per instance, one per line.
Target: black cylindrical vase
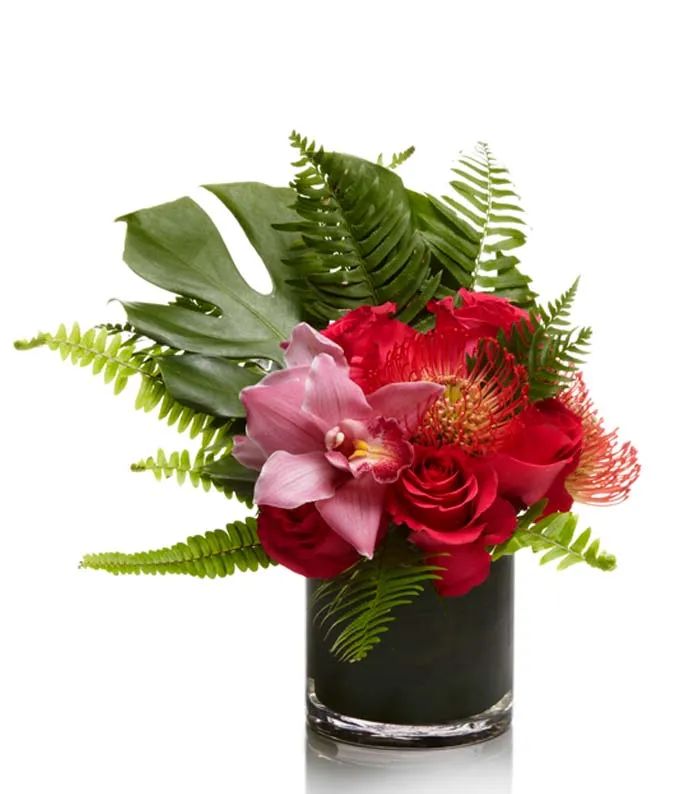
(441, 676)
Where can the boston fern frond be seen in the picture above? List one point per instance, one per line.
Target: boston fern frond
(355, 608)
(398, 158)
(475, 231)
(359, 241)
(198, 470)
(554, 537)
(119, 355)
(548, 347)
(217, 553)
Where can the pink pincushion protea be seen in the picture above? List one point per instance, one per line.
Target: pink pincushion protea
(317, 438)
(606, 469)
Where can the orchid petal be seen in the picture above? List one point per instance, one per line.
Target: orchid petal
(289, 481)
(355, 512)
(384, 451)
(331, 396)
(406, 402)
(248, 453)
(306, 343)
(275, 419)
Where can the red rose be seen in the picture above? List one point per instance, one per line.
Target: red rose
(539, 455)
(479, 313)
(302, 541)
(451, 503)
(366, 335)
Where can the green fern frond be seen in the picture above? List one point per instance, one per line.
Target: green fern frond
(473, 232)
(398, 158)
(118, 355)
(197, 469)
(548, 347)
(359, 242)
(217, 553)
(553, 536)
(355, 608)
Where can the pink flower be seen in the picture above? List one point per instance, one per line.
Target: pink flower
(316, 437)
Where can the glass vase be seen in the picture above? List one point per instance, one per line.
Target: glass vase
(441, 675)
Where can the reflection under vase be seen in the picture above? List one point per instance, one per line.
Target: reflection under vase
(473, 769)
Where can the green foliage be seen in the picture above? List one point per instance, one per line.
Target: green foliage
(119, 356)
(217, 553)
(359, 243)
(208, 384)
(473, 233)
(200, 471)
(553, 536)
(398, 158)
(548, 347)
(177, 247)
(355, 608)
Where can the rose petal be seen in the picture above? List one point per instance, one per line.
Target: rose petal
(465, 567)
(501, 522)
(289, 481)
(526, 482)
(355, 512)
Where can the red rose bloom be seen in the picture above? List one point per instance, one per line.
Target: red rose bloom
(451, 502)
(366, 335)
(479, 314)
(302, 541)
(541, 453)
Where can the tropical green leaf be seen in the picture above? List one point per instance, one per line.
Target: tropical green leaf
(207, 383)
(119, 355)
(177, 247)
(359, 243)
(219, 552)
(553, 537)
(355, 608)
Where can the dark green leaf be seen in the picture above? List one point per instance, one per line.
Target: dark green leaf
(177, 247)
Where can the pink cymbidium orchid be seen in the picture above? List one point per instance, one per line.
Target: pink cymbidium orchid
(316, 437)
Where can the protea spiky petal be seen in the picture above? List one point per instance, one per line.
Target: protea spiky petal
(483, 391)
(607, 468)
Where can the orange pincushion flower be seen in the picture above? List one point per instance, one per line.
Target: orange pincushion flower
(607, 469)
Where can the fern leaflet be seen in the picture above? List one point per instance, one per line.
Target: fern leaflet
(355, 608)
(398, 158)
(554, 537)
(474, 232)
(359, 242)
(217, 553)
(550, 350)
(197, 470)
(119, 354)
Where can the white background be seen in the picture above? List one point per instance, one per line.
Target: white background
(175, 684)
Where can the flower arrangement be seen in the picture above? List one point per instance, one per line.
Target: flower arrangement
(399, 408)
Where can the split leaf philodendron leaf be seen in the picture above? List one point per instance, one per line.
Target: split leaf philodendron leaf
(177, 247)
(207, 383)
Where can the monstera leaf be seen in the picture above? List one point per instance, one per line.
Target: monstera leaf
(206, 383)
(177, 247)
